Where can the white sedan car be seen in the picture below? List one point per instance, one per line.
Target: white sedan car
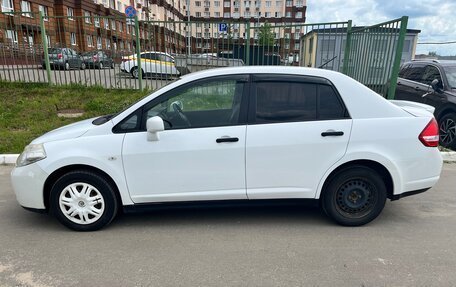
(152, 63)
(242, 135)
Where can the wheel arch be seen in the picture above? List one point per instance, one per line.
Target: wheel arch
(448, 108)
(55, 175)
(375, 165)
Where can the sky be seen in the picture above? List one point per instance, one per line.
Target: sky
(435, 18)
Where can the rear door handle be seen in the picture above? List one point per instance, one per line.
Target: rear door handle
(332, 134)
(227, 140)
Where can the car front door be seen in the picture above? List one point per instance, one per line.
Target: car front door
(409, 86)
(298, 128)
(201, 153)
(434, 98)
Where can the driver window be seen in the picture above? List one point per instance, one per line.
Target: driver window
(431, 73)
(208, 104)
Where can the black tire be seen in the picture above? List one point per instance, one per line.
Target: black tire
(135, 74)
(354, 196)
(83, 66)
(66, 66)
(113, 65)
(100, 66)
(447, 130)
(102, 188)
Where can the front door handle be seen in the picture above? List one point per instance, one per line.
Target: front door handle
(227, 140)
(332, 134)
(417, 88)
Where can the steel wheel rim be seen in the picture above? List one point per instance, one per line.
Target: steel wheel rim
(67, 66)
(356, 198)
(101, 65)
(81, 203)
(447, 131)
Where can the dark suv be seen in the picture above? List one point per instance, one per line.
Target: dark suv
(432, 82)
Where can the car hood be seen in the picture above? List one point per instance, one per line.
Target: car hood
(73, 130)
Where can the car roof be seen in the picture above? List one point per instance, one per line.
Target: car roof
(435, 62)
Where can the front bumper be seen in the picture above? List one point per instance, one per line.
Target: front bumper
(28, 183)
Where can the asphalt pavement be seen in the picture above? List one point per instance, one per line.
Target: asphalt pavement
(412, 243)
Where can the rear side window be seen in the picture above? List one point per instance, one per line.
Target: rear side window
(329, 105)
(285, 102)
(414, 73)
(403, 71)
(295, 101)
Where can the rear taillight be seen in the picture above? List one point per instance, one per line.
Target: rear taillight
(125, 59)
(59, 56)
(95, 58)
(430, 135)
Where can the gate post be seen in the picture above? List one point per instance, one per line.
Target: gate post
(397, 58)
(138, 52)
(45, 48)
(347, 47)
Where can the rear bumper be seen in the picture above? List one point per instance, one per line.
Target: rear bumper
(408, 193)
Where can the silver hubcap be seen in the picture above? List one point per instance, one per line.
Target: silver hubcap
(81, 203)
(135, 73)
(447, 131)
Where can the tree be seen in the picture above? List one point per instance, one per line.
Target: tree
(432, 54)
(266, 35)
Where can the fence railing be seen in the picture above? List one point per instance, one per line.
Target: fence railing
(120, 52)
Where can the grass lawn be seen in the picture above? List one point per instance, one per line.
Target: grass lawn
(28, 110)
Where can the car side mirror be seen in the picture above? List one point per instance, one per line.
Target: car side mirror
(437, 86)
(154, 125)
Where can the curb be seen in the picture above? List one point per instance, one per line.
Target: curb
(10, 159)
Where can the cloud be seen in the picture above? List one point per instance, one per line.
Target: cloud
(435, 18)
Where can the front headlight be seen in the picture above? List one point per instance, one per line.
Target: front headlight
(32, 153)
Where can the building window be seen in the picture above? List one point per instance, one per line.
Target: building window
(268, 14)
(70, 13)
(278, 3)
(227, 4)
(198, 14)
(113, 24)
(26, 9)
(107, 44)
(87, 17)
(99, 43)
(288, 14)
(11, 35)
(217, 14)
(198, 35)
(73, 39)
(44, 10)
(48, 39)
(112, 4)
(278, 14)
(289, 3)
(236, 15)
(119, 6)
(207, 4)
(198, 3)
(120, 26)
(299, 3)
(217, 3)
(89, 41)
(106, 23)
(247, 14)
(226, 15)
(198, 25)
(298, 15)
(96, 21)
(207, 14)
(7, 6)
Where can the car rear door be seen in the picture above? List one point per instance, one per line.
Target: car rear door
(409, 85)
(298, 128)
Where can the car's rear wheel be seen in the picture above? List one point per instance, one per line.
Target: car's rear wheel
(354, 196)
(113, 65)
(447, 130)
(83, 66)
(83, 201)
(100, 65)
(67, 66)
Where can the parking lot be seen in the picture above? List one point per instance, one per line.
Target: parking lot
(410, 244)
(107, 78)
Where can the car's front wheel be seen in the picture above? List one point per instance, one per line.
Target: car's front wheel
(447, 130)
(354, 196)
(83, 201)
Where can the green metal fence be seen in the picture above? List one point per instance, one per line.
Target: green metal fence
(148, 54)
(373, 55)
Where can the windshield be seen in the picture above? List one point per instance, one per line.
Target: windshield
(103, 119)
(54, 51)
(450, 72)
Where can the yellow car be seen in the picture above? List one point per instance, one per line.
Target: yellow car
(152, 63)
